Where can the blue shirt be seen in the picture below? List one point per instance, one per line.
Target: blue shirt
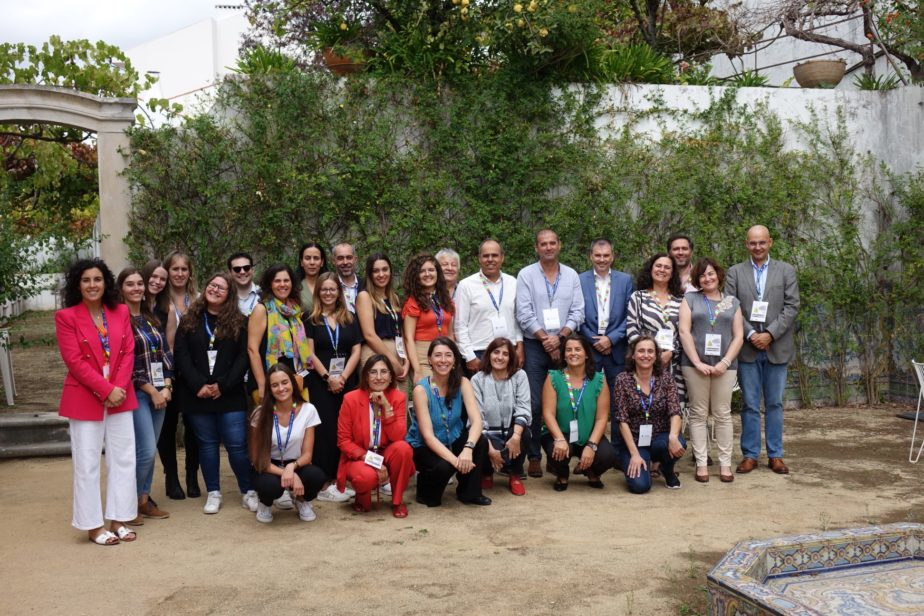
(445, 415)
(535, 294)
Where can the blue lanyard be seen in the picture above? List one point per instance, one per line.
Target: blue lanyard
(333, 335)
(575, 405)
(438, 311)
(499, 302)
(760, 272)
(103, 333)
(152, 341)
(376, 426)
(444, 408)
(646, 405)
(282, 448)
(550, 290)
(713, 316)
(208, 330)
(185, 306)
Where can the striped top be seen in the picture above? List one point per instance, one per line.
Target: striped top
(646, 316)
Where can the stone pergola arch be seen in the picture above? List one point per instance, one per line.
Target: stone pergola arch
(108, 118)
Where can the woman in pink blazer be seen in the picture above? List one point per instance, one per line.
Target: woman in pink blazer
(97, 345)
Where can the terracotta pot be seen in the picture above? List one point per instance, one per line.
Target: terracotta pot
(815, 73)
(341, 65)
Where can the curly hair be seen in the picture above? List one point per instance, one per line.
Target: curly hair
(656, 368)
(413, 288)
(644, 281)
(261, 432)
(590, 367)
(70, 294)
(266, 282)
(230, 319)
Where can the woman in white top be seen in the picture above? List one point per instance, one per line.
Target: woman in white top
(281, 445)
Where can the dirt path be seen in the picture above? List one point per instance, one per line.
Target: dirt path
(582, 551)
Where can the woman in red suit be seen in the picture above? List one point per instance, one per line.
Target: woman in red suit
(370, 435)
(97, 345)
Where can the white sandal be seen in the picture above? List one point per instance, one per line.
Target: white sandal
(105, 538)
(123, 533)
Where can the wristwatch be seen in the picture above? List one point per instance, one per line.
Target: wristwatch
(326, 376)
(592, 445)
(470, 445)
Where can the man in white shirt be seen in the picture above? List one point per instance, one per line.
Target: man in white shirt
(485, 307)
(240, 265)
(345, 261)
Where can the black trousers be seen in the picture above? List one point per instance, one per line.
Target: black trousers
(166, 444)
(269, 486)
(512, 466)
(603, 460)
(433, 472)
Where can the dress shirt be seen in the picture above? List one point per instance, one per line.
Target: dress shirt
(475, 311)
(245, 304)
(603, 288)
(533, 296)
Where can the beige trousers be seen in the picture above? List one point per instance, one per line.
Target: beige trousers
(710, 395)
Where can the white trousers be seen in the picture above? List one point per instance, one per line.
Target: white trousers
(87, 437)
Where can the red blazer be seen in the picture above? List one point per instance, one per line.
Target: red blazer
(85, 389)
(353, 427)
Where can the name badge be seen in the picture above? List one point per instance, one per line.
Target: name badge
(714, 345)
(498, 327)
(337, 366)
(106, 371)
(213, 356)
(644, 435)
(759, 311)
(399, 347)
(157, 374)
(551, 320)
(665, 339)
(573, 432)
(374, 460)
(302, 373)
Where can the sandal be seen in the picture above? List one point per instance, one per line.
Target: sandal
(560, 485)
(104, 538)
(125, 533)
(399, 511)
(594, 481)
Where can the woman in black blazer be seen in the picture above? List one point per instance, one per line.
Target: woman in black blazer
(211, 357)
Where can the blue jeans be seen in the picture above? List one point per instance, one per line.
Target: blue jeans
(231, 429)
(148, 421)
(758, 378)
(658, 452)
(537, 366)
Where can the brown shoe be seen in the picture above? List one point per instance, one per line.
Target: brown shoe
(139, 521)
(701, 478)
(151, 510)
(747, 465)
(535, 468)
(778, 466)
(726, 478)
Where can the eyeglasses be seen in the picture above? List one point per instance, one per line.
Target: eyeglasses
(241, 269)
(217, 287)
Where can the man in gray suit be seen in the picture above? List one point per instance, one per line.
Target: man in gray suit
(769, 294)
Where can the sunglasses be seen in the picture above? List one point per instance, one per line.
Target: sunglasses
(241, 269)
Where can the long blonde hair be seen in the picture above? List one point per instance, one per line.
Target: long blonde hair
(341, 313)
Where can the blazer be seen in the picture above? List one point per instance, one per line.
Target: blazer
(353, 427)
(621, 287)
(781, 291)
(190, 353)
(85, 389)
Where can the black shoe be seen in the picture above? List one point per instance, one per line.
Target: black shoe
(671, 480)
(481, 500)
(173, 489)
(428, 504)
(192, 488)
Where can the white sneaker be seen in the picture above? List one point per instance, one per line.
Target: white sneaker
(306, 511)
(264, 513)
(386, 489)
(452, 480)
(350, 492)
(284, 501)
(250, 500)
(212, 503)
(332, 495)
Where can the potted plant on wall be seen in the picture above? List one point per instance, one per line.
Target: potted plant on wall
(820, 73)
(339, 41)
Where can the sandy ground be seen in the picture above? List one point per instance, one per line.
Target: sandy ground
(577, 552)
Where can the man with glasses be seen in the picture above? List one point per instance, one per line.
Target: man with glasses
(240, 264)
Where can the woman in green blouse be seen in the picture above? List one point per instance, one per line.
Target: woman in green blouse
(575, 404)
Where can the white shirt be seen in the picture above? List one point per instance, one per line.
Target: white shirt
(603, 287)
(245, 304)
(307, 417)
(350, 292)
(476, 313)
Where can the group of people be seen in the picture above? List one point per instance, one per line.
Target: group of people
(303, 378)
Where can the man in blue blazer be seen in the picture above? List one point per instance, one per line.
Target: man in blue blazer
(606, 297)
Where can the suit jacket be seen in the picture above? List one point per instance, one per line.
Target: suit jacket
(190, 353)
(621, 287)
(353, 427)
(85, 389)
(781, 290)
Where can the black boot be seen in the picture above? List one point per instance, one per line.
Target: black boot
(192, 485)
(172, 487)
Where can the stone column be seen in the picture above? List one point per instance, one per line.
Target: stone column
(114, 198)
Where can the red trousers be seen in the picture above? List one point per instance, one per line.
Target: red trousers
(399, 460)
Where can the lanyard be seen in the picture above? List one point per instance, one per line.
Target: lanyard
(575, 405)
(664, 310)
(603, 299)
(296, 357)
(208, 330)
(499, 302)
(759, 272)
(282, 448)
(376, 417)
(713, 314)
(103, 332)
(333, 335)
(393, 314)
(438, 311)
(152, 341)
(176, 310)
(444, 408)
(550, 290)
(646, 405)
